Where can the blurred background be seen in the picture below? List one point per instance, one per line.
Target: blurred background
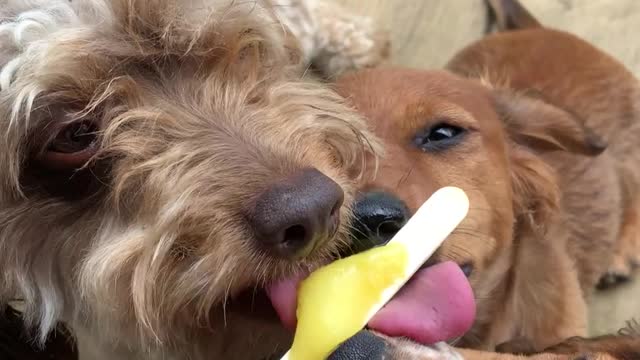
(426, 33)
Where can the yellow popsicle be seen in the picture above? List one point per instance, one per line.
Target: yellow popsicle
(338, 300)
(344, 279)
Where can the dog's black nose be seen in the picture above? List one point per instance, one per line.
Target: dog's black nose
(378, 217)
(294, 216)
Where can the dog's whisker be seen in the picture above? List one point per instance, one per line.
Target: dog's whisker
(225, 302)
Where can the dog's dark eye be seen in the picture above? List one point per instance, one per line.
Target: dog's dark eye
(439, 137)
(72, 147)
(74, 138)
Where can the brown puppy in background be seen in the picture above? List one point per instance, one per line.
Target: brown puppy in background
(521, 122)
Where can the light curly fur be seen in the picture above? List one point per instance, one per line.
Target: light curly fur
(200, 106)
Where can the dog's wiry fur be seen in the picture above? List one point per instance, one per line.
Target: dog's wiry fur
(143, 249)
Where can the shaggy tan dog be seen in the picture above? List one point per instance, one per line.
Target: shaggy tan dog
(145, 148)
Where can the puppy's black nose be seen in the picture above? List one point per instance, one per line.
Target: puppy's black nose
(294, 216)
(378, 217)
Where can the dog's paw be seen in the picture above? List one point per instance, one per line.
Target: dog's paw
(519, 346)
(569, 346)
(368, 345)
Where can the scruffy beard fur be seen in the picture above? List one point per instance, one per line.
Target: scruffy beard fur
(198, 109)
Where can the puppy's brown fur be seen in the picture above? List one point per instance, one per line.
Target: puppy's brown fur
(598, 89)
(549, 205)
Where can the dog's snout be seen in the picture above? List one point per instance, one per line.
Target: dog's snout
(294, 216)
(378, 217)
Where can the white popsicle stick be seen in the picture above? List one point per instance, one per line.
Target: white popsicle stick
(422, 235)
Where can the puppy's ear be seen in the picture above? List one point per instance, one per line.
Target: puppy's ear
(531, 121)
(535, 126)
(536, 196)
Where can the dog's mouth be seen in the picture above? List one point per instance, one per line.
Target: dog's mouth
(437, 304)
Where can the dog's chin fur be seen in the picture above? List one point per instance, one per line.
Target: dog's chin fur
(198, 110)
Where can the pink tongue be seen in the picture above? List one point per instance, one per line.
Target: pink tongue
(284, 298)
(437, 304)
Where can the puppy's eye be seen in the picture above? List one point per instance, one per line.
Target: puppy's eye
(72, 147)
(439, 137)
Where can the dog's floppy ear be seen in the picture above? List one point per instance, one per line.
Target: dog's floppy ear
(536, 196)
(532, 121)
(535, 126)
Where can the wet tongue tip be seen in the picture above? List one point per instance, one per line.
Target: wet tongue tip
(284, 299)
(437, 304)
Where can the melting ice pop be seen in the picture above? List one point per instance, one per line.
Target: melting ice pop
(338, 300)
